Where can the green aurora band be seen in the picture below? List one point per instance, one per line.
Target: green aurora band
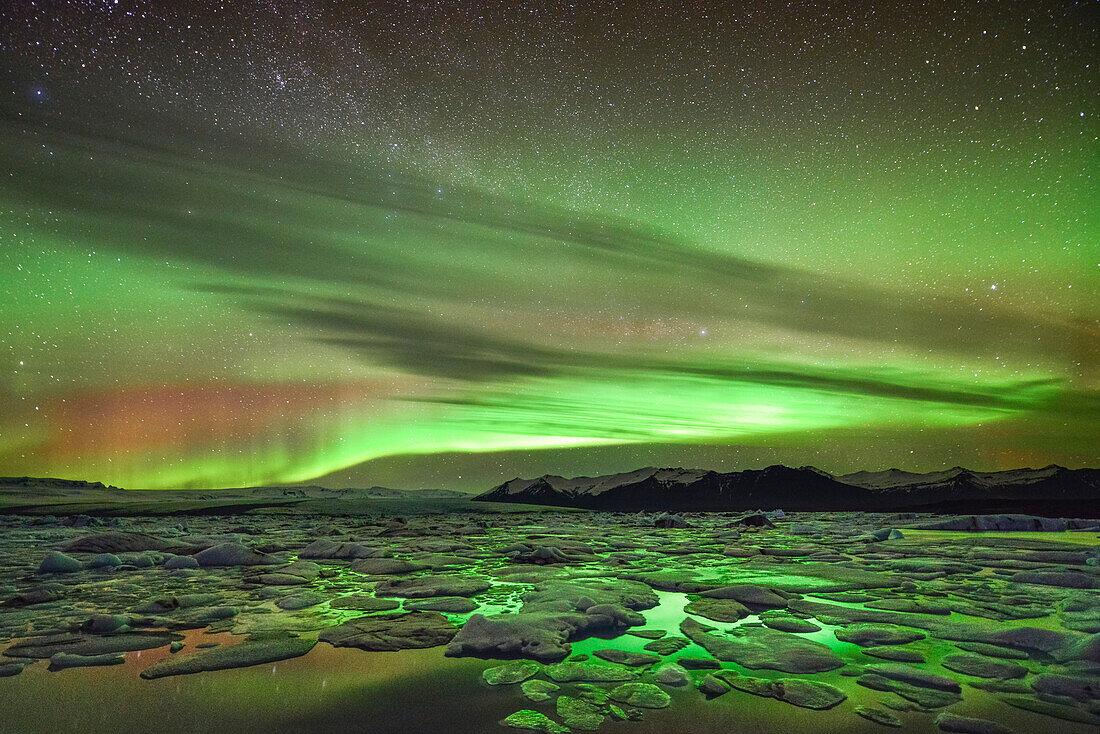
(189, 305)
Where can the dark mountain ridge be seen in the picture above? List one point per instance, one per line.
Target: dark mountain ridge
(46, 484)
(1051, 491)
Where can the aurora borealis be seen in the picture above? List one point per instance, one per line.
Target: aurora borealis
(438, 244)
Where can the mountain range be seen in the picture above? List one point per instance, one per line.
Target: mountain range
(1052, 490)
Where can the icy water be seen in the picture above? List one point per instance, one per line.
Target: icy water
(346, 690)
(338, 689)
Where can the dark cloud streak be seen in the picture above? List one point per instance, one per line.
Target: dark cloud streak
(432, 347)
(289, 221)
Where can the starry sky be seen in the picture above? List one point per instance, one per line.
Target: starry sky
(444, 244)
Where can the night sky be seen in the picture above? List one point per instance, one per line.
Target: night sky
(445, 244)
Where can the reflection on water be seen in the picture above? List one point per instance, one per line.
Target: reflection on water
(345, 690)
(330, 689)
(348, 690)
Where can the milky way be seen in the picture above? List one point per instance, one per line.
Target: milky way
(440, 244)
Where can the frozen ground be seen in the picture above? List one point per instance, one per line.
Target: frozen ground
(404, 614)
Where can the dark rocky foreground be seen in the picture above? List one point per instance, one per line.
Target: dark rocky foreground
(698, 622)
